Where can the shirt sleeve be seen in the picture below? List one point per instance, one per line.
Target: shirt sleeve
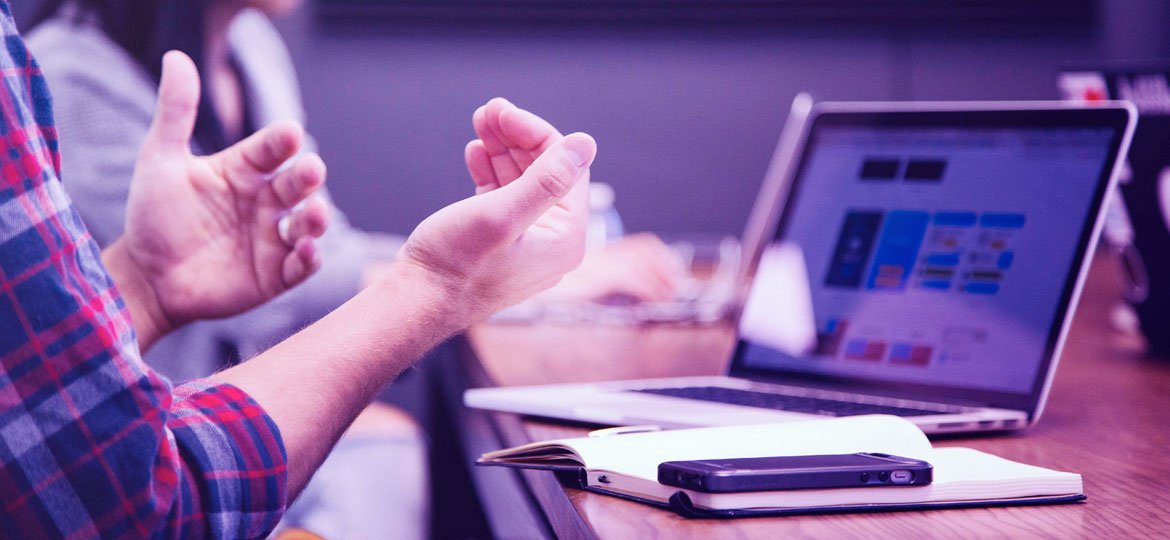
(94, 444)
(234, 471)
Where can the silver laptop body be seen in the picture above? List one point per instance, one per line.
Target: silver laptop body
(916, 259)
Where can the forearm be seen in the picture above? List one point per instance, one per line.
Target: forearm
(150, 322)
(316, 382)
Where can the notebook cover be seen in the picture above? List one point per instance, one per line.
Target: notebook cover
(681, 504)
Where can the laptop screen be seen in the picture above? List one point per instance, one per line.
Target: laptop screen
(929, 255)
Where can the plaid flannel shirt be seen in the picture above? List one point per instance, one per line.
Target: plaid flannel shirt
(93, 444)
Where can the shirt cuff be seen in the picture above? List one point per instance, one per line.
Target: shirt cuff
(235, 474)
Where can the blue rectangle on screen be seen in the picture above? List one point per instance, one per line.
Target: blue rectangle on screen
(854, 246)
(955, 219)
(982, 288)
(897, 250)
(1002, 221)
(936, 284)
(831, 326)
(943, 259)
(1006, 259)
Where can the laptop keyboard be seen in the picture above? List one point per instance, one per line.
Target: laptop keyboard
(783, 402)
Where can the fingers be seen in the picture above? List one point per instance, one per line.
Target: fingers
(646, 287)
(301, 262)
(663, 284)
(304, 226)
(504, 126)
(547, 182)
(526, 131)
(479, 164)
(178, 105)
(635, 282)
(512, 137)
(640, 265)
(658, 258)
(264, 151)
(304, 178)
(643, 281)
(310, 219)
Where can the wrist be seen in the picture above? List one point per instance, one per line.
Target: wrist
(150, 319)
(438, 301)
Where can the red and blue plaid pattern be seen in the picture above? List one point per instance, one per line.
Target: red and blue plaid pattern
(93, 444)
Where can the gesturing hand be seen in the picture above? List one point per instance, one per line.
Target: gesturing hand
(202, 232)
(524, 228)
(510, 140)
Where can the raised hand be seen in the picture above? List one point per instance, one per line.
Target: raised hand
(510, 139)
(524, 228)
(214, 236)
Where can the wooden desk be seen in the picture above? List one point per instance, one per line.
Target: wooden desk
(1108, 418)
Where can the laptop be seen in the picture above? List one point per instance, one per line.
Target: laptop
(916, 259)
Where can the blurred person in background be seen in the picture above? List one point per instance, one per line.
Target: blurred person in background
(102, 59)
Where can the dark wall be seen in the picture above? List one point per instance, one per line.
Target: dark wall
(686, 114)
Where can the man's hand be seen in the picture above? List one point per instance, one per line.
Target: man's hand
(518, 235)
(524, 228)
(203, 234)
(510, 140)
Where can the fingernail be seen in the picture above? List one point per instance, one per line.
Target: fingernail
(581, 149)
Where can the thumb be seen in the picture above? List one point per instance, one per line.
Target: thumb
(547, 181)
(178, 104)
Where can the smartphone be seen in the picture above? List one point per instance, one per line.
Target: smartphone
(795, 472)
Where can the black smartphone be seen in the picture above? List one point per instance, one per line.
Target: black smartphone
(795, 472)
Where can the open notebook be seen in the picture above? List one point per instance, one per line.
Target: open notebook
(627, 466)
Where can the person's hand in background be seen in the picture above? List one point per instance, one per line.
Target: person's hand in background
(638, 268)
(203, 234)
(524, 228)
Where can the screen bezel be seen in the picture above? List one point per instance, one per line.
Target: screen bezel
(1032, 115)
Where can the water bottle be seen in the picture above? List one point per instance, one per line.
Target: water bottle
(605, 225)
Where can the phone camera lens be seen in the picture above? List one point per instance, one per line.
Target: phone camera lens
(864, 478)
(884, 476)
